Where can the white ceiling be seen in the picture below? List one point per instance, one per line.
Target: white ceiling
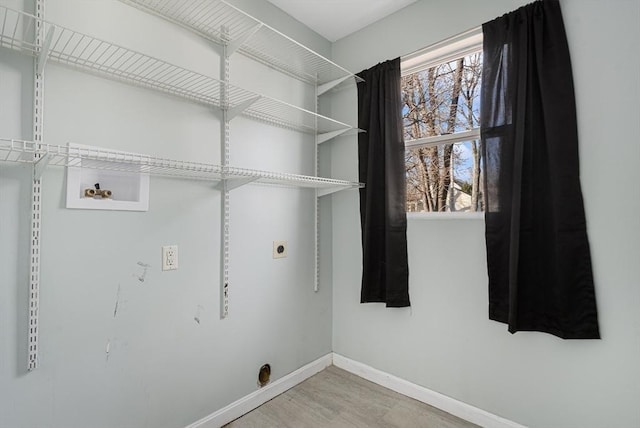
(334, 19)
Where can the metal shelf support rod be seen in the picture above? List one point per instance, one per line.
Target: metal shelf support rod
(330, 85)
(234, 45)
(43, 55)
(40, 165)
(36, 192)
(224, 200)
(329, 135)
(240, 108)
(230, 184)
(324, 192)
(316, 201)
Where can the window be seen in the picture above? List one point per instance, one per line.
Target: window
(440, 110)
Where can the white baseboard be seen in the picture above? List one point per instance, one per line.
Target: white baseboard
(420, 393)
(417, 392)
(262, 395)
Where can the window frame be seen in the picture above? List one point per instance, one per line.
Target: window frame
(450, 49)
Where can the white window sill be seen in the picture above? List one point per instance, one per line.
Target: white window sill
(446, 216)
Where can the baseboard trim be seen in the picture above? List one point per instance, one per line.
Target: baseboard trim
(262, 395)
(450, 405)
(259, 397)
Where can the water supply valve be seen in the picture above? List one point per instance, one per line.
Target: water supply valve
(97, 193)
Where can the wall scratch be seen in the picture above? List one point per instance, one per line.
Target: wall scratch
(107, 348)
(145, 267)
(196, 318)
(115, 309)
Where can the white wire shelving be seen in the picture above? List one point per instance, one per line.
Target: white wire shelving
(248, 36)
(105, 159)
(236, 31)
(89, 54)
(217, 21)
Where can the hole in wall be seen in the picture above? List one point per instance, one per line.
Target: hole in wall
(264, 375)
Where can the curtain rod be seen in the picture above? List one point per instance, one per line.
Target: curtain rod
(460, 36)
(468, 33)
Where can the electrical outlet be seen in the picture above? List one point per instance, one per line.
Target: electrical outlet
(170, 257)
(279, 249)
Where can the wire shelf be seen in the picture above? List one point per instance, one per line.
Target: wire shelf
(104, 159)
(258, 40)
(116, 62)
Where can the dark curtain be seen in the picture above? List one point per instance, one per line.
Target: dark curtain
(383, 220)
(539, 264)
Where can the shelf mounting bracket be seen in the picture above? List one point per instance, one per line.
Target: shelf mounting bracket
(40, 165)
(41, 61)
(233, 46)
(328, 191)
(326, 136)
(229, 184)
(330, 85)
(235, 111)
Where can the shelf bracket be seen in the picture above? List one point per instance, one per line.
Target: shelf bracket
(328, 191)
(329, 135)
(235, 111)
(40, 165)
(41, 61)
(229, 184)
(330, 85)
(233, 46)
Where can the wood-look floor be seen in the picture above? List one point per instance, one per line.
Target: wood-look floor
(336, 398)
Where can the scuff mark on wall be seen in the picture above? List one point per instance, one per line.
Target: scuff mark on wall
(115, 309)
(107, 348)
(145, 267)
(196, 318)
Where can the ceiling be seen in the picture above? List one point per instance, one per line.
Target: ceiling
(335, 19)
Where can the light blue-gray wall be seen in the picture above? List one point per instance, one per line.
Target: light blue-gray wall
(445, 342)
(163, 368)
(166, 370)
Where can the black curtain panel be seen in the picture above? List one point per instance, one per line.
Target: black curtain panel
(385, 272)
(539, 264)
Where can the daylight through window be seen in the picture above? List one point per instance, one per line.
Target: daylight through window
(441, 113)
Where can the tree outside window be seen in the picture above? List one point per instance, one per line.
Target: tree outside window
(441, 131)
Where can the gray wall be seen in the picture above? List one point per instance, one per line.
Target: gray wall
(445, 342)
(163, 368)
(166, 370)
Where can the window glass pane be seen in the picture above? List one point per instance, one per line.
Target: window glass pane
(444, 178)
(443, 99)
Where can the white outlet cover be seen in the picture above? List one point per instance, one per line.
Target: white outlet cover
(170, 257)
(280, 249)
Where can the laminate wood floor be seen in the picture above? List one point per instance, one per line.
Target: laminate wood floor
(336, 398)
